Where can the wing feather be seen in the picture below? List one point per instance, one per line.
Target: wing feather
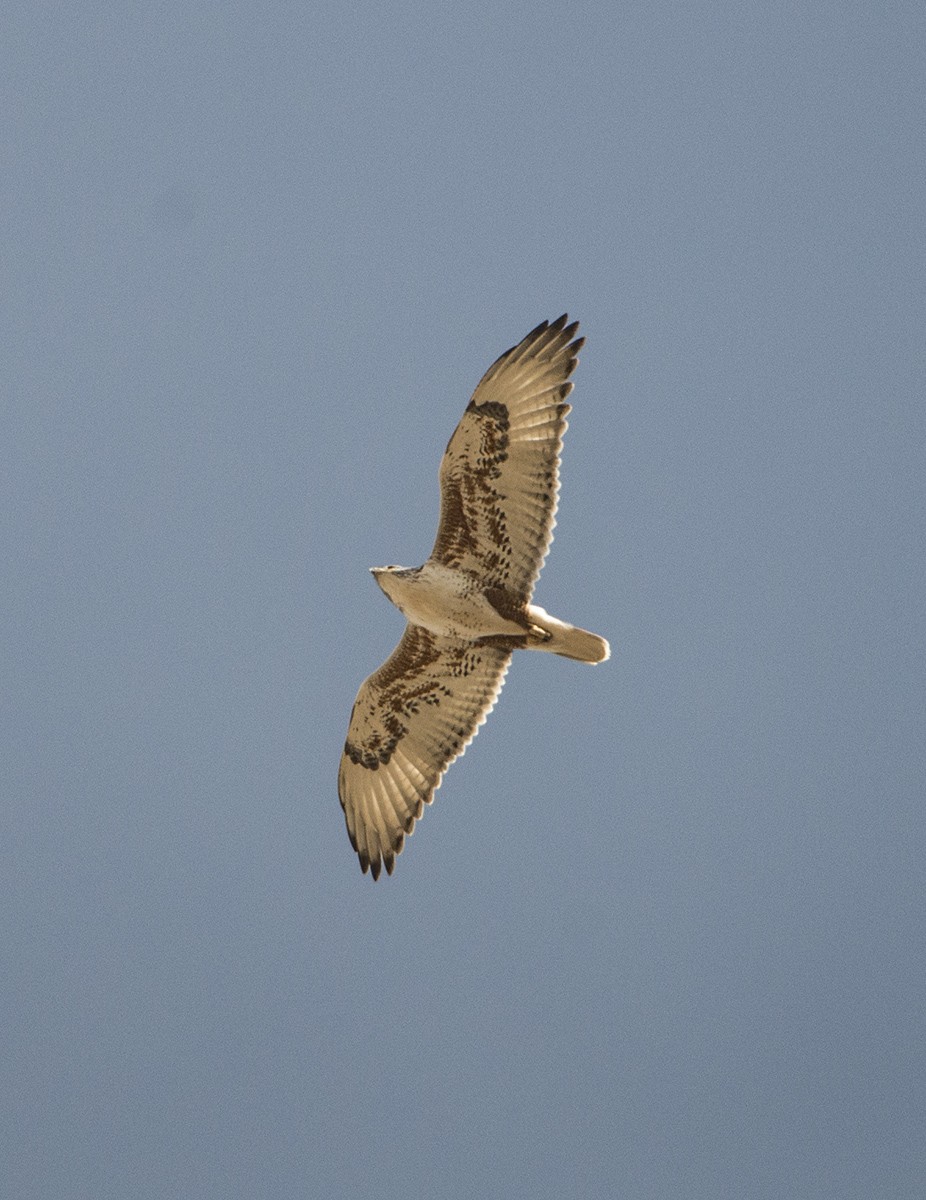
(499, 476)
(411, 719)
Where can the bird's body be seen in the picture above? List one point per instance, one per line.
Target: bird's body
(469, 606)
(444, 600)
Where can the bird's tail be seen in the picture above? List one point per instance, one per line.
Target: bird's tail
(547, 633)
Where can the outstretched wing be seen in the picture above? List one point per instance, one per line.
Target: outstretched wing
(499, 476)
(411, 719)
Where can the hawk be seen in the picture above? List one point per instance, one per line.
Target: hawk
(469, 607)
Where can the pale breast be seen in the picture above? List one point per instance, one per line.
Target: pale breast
(450, 603)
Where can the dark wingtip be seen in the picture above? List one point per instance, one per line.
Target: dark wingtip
(567, 332)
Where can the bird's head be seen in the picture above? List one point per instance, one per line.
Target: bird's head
(385, 575)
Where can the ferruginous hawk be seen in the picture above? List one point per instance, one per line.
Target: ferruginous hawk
(469, 607)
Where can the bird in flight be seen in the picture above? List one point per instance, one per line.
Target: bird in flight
(469, 606)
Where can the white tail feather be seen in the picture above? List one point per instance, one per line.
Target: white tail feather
(568, 640)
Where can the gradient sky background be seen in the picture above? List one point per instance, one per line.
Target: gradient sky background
(662, 933)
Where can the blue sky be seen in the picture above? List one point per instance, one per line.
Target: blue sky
(661, 934)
